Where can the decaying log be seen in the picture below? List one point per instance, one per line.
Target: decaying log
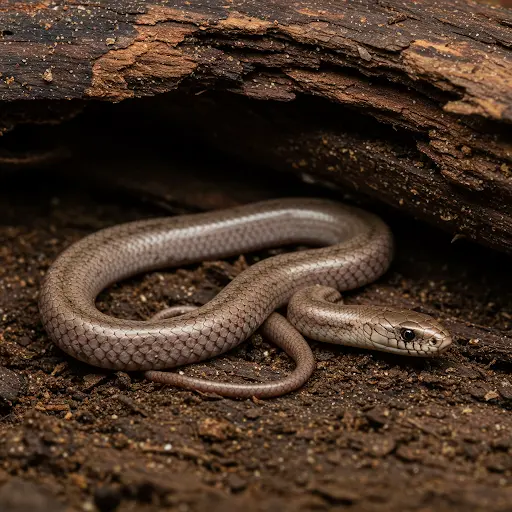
(410, 102)
(461, 189)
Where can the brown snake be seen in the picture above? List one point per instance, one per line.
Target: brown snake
(353, 248)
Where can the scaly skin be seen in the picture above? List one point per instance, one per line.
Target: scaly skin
(358, 249)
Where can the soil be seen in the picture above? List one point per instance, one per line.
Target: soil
(369, 431)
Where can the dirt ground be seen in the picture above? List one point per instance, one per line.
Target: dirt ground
(369, 431)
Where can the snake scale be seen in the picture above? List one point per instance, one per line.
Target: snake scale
(349, 249)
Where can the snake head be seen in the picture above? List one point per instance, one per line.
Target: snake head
(406, 332)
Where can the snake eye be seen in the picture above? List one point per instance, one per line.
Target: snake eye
(407, 334)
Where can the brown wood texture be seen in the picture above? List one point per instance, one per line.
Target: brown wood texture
(409, 102)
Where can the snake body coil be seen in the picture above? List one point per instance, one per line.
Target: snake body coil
(353, 249)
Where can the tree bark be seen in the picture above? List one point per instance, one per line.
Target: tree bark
(415, 98)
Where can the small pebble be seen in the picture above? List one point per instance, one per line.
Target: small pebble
(252, 414)
(10, 385)
(236, 483)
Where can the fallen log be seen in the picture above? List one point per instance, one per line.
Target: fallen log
(415, 98)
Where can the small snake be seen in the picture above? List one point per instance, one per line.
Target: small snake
(351, 248)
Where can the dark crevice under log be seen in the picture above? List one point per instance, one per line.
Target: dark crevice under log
(413, 101)
(357, 151)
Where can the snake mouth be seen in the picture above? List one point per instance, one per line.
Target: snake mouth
(430, 351)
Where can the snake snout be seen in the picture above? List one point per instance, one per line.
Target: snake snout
(444, 343)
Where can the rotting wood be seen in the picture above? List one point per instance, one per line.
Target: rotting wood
(434, 79)
(461, 189)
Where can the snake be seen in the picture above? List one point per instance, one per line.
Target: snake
(341, 248)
